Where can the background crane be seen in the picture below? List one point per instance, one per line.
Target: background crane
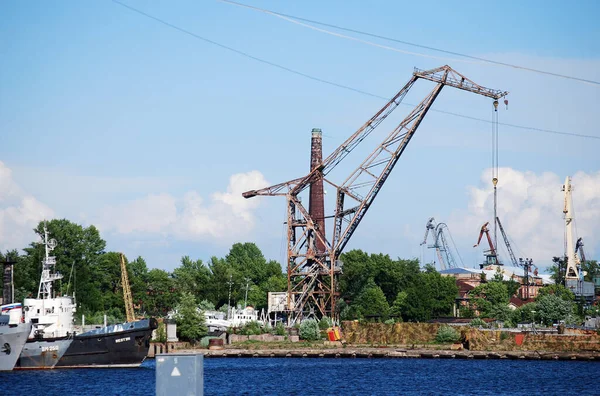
(126, 291)
(312, 272)
(579, 249)
(440, 243)
(526, 264)
(491, 257)
(513, 259)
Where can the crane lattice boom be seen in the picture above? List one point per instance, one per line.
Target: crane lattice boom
(440, 243)
(312, 272)
(126, 291)
(513, 259)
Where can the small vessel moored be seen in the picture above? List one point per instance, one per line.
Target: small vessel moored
(54, 342)
(13, 335)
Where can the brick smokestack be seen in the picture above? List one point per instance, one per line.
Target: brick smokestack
(316, 202)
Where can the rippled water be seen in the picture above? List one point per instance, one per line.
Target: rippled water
(311, 376)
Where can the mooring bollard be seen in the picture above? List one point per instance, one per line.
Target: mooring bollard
(179, 374)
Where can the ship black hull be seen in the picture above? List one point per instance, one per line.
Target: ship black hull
(126, 348)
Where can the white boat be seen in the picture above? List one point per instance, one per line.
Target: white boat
(13, 334)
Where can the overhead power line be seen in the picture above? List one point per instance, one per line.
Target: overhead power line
(480, 60)
(346, 87)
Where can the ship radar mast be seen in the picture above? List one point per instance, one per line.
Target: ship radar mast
(49, 262)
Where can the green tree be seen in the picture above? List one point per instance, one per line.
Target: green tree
(206, 305)
(77, 253)
(220, 275)
(442, 291)
(357, 272)
(192, 276)
(138, 281)
(372, 301)
(488, 297)
(556, 290)
(591, 269)
(430, 295)
(161, 292)
(524, 314)
(399, 304)
(191, 325)
(109, 284)
(552, 308)
(558, 269)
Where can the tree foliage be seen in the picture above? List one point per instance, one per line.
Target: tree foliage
(552, 308)
(491, 300)
(191, 325)
(309, 330)
(414, 295)
(556, 290)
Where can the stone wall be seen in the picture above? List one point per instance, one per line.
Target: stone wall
(473, 339)
(477, 340)
(236, 338)
(394, 334)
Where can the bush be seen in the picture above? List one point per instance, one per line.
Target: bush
(309, 330)
(161, 332)
(390, 322)
(279, 329)
(447, 334)
(325, 323)
(478, 322)
(466, 312)
(251, 328)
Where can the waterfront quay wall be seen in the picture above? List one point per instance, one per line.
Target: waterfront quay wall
(490, 340)
(421, 334)
(237, 338)
(390, 334)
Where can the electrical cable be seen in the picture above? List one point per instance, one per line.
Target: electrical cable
(346, 87)
(295, 19)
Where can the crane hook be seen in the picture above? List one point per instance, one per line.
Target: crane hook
(506, 103)
(495, 105)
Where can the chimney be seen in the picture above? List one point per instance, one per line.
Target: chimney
(316, 202)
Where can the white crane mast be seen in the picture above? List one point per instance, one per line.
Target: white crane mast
(573, 262)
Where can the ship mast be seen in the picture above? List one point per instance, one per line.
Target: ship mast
(49, 262)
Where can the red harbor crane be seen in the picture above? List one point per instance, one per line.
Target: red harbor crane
(313, 259)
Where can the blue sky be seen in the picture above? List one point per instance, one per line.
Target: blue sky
(111, 118)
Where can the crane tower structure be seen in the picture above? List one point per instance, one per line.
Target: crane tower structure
(127, 299)
(573, 261)
(440, 243)
(313, 259)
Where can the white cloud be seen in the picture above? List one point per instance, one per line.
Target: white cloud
(20, 212)
(530, 207)
(226, 216)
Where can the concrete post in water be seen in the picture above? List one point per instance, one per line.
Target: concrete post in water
(105, 320)
(179, 374)
(82, 322)
(316, 202)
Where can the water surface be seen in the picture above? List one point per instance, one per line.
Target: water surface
(322, 376)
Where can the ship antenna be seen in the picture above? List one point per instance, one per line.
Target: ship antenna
(45, 288)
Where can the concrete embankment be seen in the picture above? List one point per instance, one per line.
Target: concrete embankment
(394, 353)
